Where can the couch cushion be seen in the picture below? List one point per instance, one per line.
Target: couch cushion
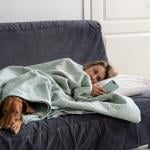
(36, 42)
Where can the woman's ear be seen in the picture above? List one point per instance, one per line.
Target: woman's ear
(28, 108)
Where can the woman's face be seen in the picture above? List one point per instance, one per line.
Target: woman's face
(96, 73)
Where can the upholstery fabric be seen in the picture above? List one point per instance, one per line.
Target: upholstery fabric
(36, 42)
(29, 43)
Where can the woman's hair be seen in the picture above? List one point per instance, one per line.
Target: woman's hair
(110, 71)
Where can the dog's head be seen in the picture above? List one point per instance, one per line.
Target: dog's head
(11, 109)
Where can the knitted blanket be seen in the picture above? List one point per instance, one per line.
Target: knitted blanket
(60, 87)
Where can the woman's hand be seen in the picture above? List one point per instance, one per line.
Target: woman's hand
(97, 89)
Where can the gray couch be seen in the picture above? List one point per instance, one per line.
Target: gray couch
(30, 43)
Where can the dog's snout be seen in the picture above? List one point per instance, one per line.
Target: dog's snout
(8, 121)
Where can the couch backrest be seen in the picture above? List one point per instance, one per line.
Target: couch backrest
(29, 43)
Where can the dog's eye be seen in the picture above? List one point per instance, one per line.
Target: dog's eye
(15, 112)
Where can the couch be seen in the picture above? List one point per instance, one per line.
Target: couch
(28, 43)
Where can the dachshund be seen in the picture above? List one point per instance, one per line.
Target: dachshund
(12, 108)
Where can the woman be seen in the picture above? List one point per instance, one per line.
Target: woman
(98, 71)
(62, 73)
(64, 86)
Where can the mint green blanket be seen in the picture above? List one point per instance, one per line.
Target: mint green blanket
(61, 87)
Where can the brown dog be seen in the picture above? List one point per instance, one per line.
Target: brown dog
(11, 110)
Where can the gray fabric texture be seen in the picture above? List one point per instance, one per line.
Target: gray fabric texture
(36, 42)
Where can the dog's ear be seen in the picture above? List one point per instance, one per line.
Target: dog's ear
(1, 109)
(28, 108)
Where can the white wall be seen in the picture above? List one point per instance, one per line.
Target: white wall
(38, 10)
(126, 31)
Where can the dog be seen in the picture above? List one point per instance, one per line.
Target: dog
(12, 108)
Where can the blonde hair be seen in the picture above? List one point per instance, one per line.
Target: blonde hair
(110, 71)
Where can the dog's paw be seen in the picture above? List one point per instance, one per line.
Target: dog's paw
(16, 127)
